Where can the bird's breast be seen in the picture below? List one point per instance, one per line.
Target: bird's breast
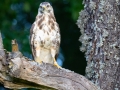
(45, 36)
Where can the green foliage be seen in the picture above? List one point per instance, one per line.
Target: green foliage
(76, 6)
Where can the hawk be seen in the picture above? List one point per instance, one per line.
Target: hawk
(45, 35)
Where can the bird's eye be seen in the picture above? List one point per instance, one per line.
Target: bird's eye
(47, 5)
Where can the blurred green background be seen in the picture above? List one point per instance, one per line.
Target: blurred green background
(17, 16)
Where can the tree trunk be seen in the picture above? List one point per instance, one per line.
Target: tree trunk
(99, 24)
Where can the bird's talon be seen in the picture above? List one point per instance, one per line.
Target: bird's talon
(40, 62)
(56, 65)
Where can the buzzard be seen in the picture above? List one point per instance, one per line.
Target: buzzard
(45, 35)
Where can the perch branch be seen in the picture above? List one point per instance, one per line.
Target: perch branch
(20, 72)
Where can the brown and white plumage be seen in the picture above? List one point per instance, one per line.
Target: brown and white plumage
(45, 35)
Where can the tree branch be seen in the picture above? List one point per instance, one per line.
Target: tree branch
(21, 72)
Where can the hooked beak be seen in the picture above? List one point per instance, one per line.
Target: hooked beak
(44, 8)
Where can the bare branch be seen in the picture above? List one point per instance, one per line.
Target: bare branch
(20, 72)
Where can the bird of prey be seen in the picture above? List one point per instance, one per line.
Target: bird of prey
(45, 35)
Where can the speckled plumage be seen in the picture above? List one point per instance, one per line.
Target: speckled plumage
(45, 35)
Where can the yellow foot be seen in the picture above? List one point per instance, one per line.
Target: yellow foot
(38, 60)
(55, 64)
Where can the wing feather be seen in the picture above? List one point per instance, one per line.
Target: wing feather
(32, 39)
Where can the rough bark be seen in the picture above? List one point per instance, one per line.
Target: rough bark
(17, 71)
(99, 24)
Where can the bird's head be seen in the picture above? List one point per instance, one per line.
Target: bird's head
(45, 7)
